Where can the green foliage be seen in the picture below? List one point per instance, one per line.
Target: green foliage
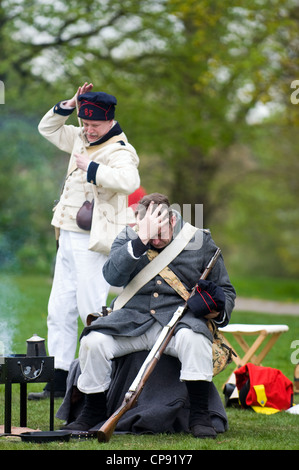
(190, 78)
(28, 188)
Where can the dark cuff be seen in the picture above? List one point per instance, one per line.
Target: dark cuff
(91, 172)
(138, 247)
(220, 318)
(62, 111)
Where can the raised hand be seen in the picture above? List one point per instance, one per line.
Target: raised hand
(85, 88)
(153, 223)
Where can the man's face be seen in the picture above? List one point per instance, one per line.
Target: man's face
(164, 236)
(94, 130)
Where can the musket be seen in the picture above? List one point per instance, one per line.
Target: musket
(105, 432)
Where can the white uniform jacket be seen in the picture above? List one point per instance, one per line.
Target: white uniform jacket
(115, 178)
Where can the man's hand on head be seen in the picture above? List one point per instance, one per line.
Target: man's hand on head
(85, 88)
(151, 224)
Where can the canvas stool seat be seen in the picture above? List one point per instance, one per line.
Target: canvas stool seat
(267, 335)
(239, 331)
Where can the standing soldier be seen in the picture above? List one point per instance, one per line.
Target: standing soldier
(102, 166)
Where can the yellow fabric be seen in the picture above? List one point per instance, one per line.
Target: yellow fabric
(260, 394)
(266, 410)
(262, 400)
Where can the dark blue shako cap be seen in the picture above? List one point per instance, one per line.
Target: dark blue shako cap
(96, 106)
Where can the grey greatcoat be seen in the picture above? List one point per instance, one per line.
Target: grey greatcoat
(157, 301)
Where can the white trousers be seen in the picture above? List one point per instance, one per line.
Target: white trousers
(78, 289)
(97, 351)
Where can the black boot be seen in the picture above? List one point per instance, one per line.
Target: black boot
(60, 377)
(200, 421)
(94, 411)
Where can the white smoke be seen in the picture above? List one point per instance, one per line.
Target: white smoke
(8, 315)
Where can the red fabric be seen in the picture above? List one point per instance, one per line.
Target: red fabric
(278, 388)
(135, 197)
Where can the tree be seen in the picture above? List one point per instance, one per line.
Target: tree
(189, 77)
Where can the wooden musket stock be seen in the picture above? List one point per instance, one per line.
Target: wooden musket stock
(105, 432)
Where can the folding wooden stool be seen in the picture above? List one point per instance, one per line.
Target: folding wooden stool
(263, 332)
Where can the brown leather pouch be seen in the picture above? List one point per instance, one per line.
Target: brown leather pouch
(84, 215)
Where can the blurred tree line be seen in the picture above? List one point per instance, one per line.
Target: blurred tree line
(203, 91)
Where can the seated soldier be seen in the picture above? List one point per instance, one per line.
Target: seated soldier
(136, 325)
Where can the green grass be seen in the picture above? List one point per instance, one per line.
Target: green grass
(23, 306)
(282, 290)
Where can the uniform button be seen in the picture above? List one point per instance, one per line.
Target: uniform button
(156, 294)
(159, 282)
(61, 222)
(153, 312)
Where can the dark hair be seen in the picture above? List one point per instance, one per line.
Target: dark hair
(158, 199)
